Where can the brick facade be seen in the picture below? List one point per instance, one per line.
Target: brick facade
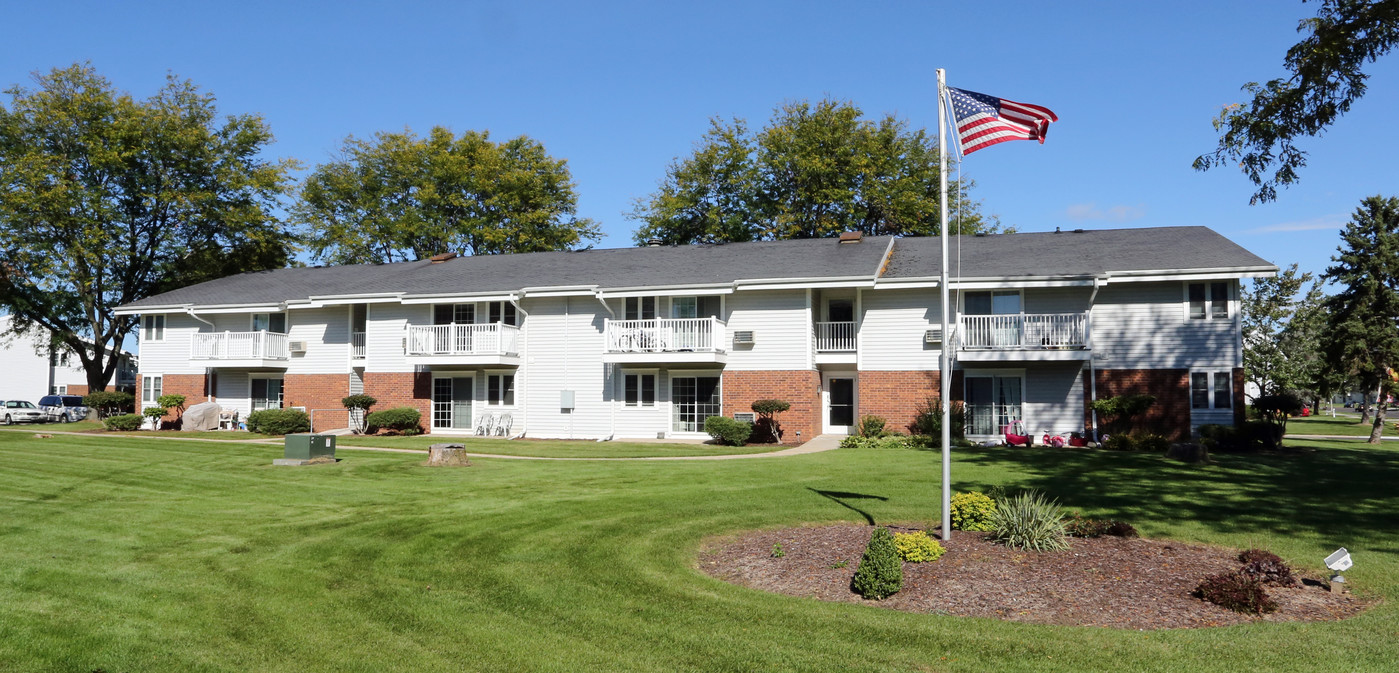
(400, 389)
(320, 394)
(192, 386)
(800, 388)
(78, 389)
(897, 396)
(1170, 416)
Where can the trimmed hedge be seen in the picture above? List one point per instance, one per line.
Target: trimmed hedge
(728, 431)
(124, 423)
(401, 420)
(109, 402)
(279, 421)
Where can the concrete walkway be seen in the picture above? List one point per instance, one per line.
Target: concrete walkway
(817, 444)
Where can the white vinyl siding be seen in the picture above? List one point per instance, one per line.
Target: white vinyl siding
(326, 332)
(1054, 398)
(1140, 326)
(781, 330)
(171, 355)
(892, 330)
(564, 341)
(385, 331)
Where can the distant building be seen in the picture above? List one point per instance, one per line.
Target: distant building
(32, 370)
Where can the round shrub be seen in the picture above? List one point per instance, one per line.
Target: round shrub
(1236, 591)
(1120, 443)
(917, 547)
(125, 422)
(1029, 521)
(1267, 568)
(972, 511)
(881, 573)
(110, 402)
(401, 420)
(279, 421)
(872, 426)
(728, 431)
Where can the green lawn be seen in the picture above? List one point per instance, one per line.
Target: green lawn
(1342, 424)
(557, 449)
(127, 554)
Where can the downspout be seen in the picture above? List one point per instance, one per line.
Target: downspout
(616, 369)
(209, 389)
(1092, 368)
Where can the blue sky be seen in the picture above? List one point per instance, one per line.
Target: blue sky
(621, 89)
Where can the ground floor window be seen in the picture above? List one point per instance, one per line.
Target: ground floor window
(500, 390)
(993, 402)
(267, 394)
(151, 390)
(640, 390)
(1211, 390)
(451, 402)
(58, 390)
(694, 398)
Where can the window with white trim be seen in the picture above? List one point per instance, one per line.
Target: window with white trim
(151, 389)
(639, 390)
(266, 393)
(1207, 301)
(639, 308)
(275, 323)
(1211, 390)
(502, 311)
(453, 314)
(500, 390)
(153, 328)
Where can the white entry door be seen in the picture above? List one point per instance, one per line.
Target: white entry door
(839, 400)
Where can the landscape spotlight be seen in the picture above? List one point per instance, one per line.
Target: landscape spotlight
(1338, 562)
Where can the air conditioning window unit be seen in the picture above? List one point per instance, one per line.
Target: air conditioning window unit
(933, 335)
(743, 336)
(746, 417)
(296, 346)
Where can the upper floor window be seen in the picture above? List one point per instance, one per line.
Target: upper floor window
(694, 307)
(502, 311)
(453, 314)
(153, 328)
(997, 302)
(1211, 390)
(1207, 301)
(639, 308)
(840, 310)
(270, 322)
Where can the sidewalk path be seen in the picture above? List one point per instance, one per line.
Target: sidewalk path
(817, 444)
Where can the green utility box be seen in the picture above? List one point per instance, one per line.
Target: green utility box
(308, 446)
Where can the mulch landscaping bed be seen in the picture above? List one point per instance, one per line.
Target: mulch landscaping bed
(1108, 581)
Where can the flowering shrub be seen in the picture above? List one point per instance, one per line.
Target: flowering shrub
(917, 547)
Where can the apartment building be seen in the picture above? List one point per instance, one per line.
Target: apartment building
(650, 341)
(34, 369)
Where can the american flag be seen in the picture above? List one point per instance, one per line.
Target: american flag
(983, 121)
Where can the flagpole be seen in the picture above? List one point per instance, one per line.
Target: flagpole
(944, 362)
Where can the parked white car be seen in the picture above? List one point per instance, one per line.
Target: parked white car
(22, 411)
(63, 408)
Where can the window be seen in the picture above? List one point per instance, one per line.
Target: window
(58, 390)
(640, 390)
(502, 311)
(840, 310)
(270, 322)
(1207, 301)
(1211, 390)
(694, 307)
(153, 328)
(151, 390)
(500, 390)
(639, 308)
(453, 314)
(267, 394)
(999, 302)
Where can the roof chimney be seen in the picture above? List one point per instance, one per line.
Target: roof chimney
(438, 259)
(654, 243)
(851, 236)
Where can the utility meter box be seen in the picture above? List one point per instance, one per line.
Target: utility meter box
(566, 400)
(308, 446)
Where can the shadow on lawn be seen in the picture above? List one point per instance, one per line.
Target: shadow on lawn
(839, 498)
(1344, 494)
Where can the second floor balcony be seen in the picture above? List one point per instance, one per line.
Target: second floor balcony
(1024, 336)
(241, 349)
(665, 340)
(489, 343)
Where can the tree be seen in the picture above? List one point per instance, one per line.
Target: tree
(1362, 336)
(813, 171)
(105, 200)
(401, 198)
(1326, 77)
(1272, 363)
(1301, 340)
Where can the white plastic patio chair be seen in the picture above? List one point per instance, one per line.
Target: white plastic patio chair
(484, 424)
(502, 426)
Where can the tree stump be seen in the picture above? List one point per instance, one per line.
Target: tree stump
(453, 455)
(1189, 452)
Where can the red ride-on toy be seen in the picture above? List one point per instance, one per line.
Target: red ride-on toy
(1060, 441)
(1016, 435)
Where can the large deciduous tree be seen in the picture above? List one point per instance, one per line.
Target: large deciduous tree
(814, 171)
(1326, 76)
(106, 199)
(1362, 337)
(400, 197)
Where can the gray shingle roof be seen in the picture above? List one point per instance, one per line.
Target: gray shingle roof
(1094, 251)
(996, 256)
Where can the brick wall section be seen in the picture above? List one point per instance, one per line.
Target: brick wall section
(800, 388)
(189, 385)
(1170, 415)
(318, 392)
(897, 396)
(77, 389)
(400, 389)
(1240, 406)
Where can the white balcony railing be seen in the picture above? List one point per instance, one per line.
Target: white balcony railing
(664, 335)
(486, 339)
(835, 337)
(1029, 331)
(357, 345)
(261, 345)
